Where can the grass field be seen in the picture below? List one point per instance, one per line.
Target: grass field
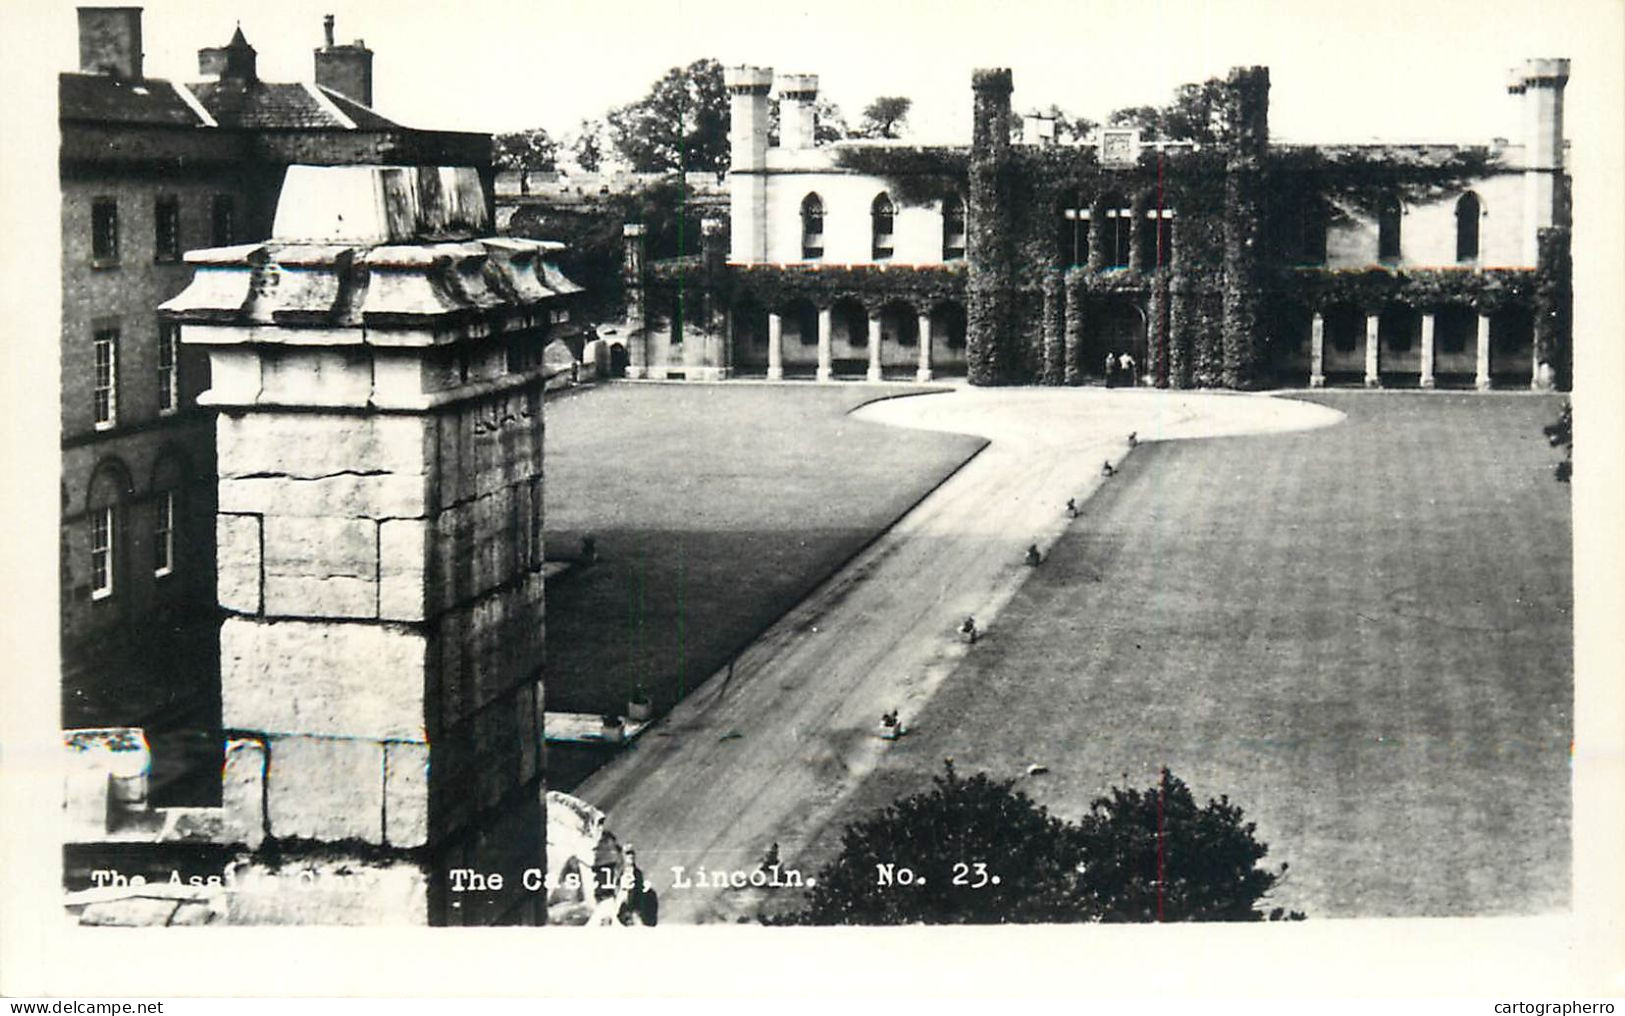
(1360, 634)
(715, 508)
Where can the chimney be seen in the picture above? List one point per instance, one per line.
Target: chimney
(346, 70)
(110, 41)
(235, 61)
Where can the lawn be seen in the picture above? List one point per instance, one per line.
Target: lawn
(1361, 634)
(715, 508)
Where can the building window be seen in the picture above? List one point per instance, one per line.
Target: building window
(558, 315)
(1311, 239)
(953, 228)
(166, 219)
(223, 215)
(101, 553)
(106, 386)
(1119, 231)
(104, 231)
(163, 535)
(882, 218)
(1468, 210)
(169, 374)
(1388, 217)
(812, 227)
(1074, 235)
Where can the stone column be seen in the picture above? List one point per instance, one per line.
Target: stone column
(637, 335)
(874, 347)
(775, 348)
(1427, 350)
(380, 550)
(924, 371)
(1482, 380)
(826, 338)
(1373, 351)
(1317, 350)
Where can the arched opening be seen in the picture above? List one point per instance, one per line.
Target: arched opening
(812, 227)
(882, 223)
(1343, 352)
(1389, 215)
(618, 360)
(899, 338)
(948, 338)
(749, 320)
(1468, 210)
(1455, 346)
(1072, 235)
(1287, 334)
(800, 337)
(1114, 328)
(1399, 330)
(849, 337)
(953, 228)
(1512, 347)
(1117, 231)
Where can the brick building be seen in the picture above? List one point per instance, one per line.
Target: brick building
(150, 169)
(1231, 260)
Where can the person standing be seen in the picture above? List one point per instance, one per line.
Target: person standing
(1111, 368)
(1126, 363)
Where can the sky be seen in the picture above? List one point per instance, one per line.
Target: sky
(1343, 71)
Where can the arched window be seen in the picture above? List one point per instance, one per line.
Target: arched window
(1388, 217)
(812, 227)
(110, 490)
(1468, 209)
(882, 217)
(953, 227)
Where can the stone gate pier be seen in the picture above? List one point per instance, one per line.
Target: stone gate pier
(377, 372)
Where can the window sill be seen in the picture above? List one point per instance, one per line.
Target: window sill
(104, 264)
(162, 573)
(98, 595)
(103, 426)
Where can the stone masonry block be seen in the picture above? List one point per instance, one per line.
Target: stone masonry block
(406, 793)
(326, 788)
(237, 542)
(321, 567)
(402, 563)
(496, 741)
(311, 445)
(342, 679)
(381, 496)
(242, 792)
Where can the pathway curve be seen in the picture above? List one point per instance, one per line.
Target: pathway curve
(765, 753)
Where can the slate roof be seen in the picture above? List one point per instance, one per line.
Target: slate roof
(106, 99)
(271, 105)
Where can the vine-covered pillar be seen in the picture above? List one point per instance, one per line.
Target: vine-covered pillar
(1074, 328)
(1054, 329)
(637, 335)
(826, 331)
(1097, 233)
(1136, 234)
(1156, 328)
(1554, 311)
(1247, 90)
(990, 272)
(1182, 316)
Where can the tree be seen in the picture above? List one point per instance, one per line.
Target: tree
(1153, 855)
(885, 117)
(587, 145)
(527, 150)
(977, 851)
(681, 125)
(1197, 113)
(1561, 435)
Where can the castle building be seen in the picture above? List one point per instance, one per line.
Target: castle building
(150, 169)
(1225, 261)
